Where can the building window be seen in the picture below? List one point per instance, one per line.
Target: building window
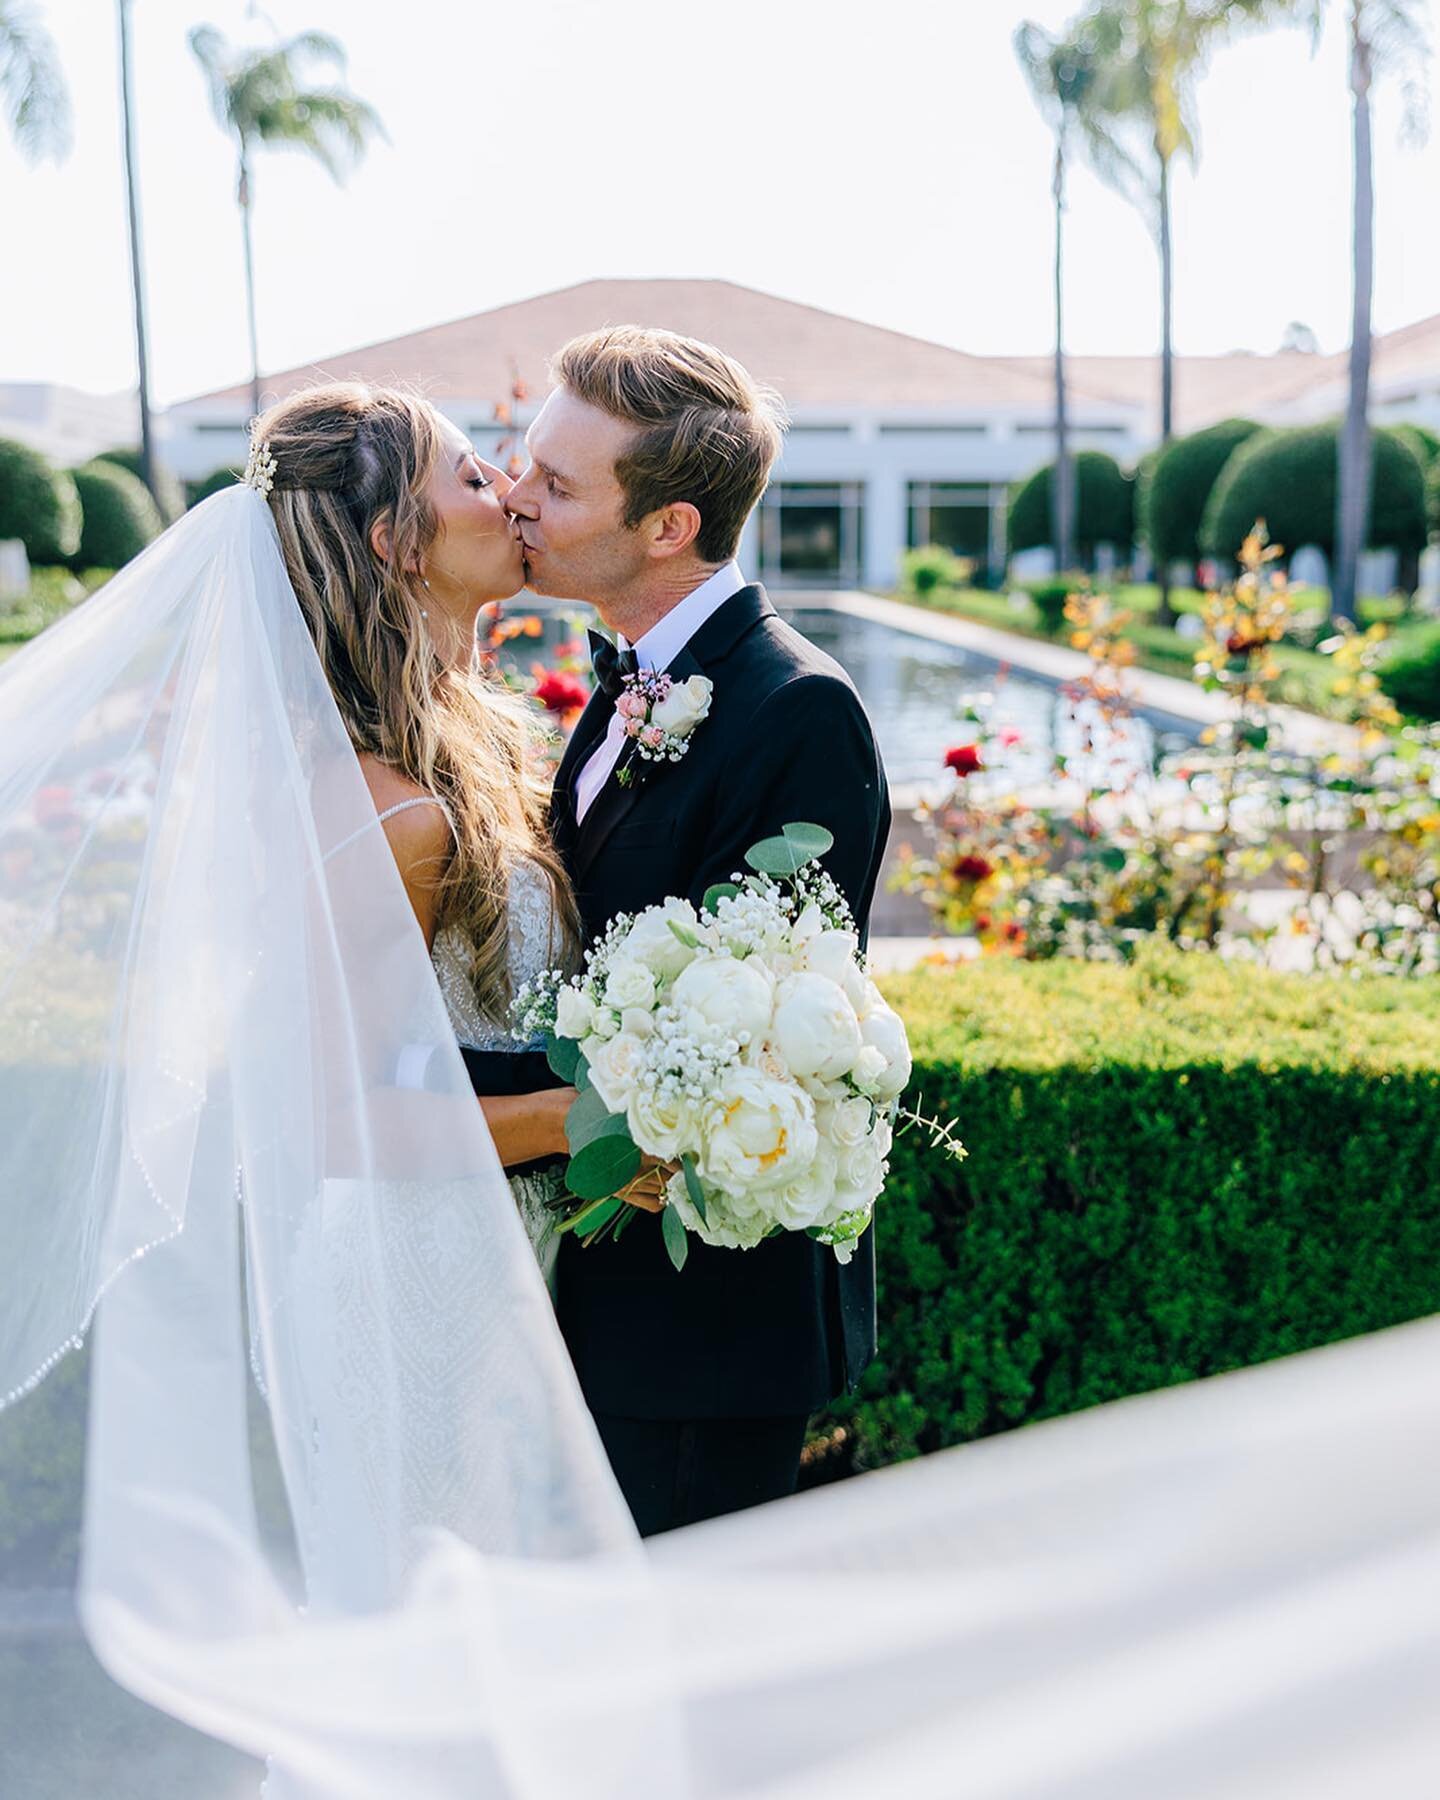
(811, 532)
(967, 518)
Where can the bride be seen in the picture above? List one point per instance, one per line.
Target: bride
(230, 787)
(395, 535)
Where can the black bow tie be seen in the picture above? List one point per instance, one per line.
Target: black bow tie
(611, 665)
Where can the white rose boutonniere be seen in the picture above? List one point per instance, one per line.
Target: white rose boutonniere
(659, 715)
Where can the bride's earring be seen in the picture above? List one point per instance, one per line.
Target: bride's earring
(426, 585)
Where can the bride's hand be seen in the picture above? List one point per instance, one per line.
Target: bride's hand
(647, 1190)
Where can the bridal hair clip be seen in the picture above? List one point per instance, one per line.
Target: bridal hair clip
(260, 470)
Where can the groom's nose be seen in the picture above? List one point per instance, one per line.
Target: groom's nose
(523, 499)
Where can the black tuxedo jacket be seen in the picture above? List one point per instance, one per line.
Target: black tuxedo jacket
(782, 1328)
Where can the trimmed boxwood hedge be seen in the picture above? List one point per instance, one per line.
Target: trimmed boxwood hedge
(1174, 1169)
(1175, 487)
(1290, 478)
(38, 505)
(1104, 508)
(120, 515)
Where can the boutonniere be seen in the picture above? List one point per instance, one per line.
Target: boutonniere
(659, 715)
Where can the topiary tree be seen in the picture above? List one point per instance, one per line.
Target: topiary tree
(1411, 676)
(1288, 479)
(196, 491)
(168, 493)
(1422, 440)
(1432, 495)
(38, 504)
(120, 515)
(1174, 489)
(1104, 510)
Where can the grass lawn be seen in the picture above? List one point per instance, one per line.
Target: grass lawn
(1306, 675)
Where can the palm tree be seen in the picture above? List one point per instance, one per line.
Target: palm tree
(1061, 73)
(1140, 117)
(260, 98)
(33, 97)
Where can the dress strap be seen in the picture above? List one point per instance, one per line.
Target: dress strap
(389, 813)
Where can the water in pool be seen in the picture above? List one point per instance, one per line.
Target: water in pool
(916, 691)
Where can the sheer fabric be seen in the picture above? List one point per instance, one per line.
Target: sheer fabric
(207, 970)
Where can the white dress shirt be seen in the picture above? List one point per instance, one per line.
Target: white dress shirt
(658, 648)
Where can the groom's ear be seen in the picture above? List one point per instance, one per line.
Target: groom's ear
(673, 528)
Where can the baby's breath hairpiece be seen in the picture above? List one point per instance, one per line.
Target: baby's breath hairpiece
(260, 470)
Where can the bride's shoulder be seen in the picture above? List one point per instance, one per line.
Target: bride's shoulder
(418, 826)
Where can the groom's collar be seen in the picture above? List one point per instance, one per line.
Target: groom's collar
(664, 641)
(723, 630)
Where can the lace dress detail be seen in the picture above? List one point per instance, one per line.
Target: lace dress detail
(533, 948)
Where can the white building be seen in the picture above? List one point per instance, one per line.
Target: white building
(893, 440)
(67, 425)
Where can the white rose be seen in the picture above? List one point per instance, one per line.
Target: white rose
(763, 1055)
(651, 941)
(727, 995)
(832, 954)
(639, 1021)
(844, 1123)
(683, 707)
(661, 1127)
(869, 1070)
(815, 1027)
(759, 1133)
(859, 1176)
(884, 1031)
(613, 1068)
(629, 984)
(607, 1023)
(574, 1014)
(809, 925)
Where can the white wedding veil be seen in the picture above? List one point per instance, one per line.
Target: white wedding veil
(344, 1506)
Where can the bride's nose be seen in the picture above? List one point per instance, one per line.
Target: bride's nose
(519, 499)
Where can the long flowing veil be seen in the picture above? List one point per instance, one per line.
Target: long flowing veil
(344, 1506)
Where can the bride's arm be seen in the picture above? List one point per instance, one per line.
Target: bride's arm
(526, 1127)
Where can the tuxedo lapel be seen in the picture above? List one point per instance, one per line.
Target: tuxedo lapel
(590, 727)
(714, 641)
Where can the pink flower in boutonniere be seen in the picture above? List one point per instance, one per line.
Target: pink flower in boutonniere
(659, 715)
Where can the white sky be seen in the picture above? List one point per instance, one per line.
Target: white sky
(881, 160)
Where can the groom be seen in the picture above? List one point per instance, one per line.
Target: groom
(646, 461)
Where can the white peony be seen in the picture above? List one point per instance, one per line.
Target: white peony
(721, 1226)
(832, 954)
(683, 707)
(614, 1066)
(884, 1031)
(574, 1014)
(758, 1132)
(871, 1000)
(661, 1127)
(726, 995)
(629, 984)
(651, 941)
(815, 1027)
(810, 1198)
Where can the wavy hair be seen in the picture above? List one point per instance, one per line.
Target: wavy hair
(349, 456)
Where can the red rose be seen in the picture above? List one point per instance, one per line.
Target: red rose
(964, 759)
(561, 693)
(974, 868)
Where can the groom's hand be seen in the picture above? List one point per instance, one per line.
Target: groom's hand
(647, 1190)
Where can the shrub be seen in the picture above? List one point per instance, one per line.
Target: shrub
(196, 491)
(1049, 597)
(1432, 496)
(931, 567)
(1422, 440)
(38, 504)
(119, 516)
(167, 491)
(1289, 479)
(1173, 491)
(1104, 507)
(1175, 1168)
(1411, 677)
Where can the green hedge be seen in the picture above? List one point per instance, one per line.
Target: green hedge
(1175, 1168)
(120, 516)
(1290, 478)
(1411, 677)
(1104, 508)
(213, 483)
(168, 492)
(1176, 486)
(38, 505)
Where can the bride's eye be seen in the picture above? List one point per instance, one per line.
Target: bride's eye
(479, 482)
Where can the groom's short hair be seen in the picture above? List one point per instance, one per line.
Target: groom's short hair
(706, 431)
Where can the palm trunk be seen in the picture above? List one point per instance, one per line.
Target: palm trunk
(1064, 475)
(1353, 499)
(137, 283)
(1165, 614)
(244, 197)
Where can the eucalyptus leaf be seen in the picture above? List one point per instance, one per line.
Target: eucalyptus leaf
(694, 1187)
(588, 1119)
(604, 1166)
(722, 890)
(786, 855)
(677, 1239)
(591, 1218)
(582, 1076)
(563, 1056)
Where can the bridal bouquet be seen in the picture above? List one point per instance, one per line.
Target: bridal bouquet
(744, 1045)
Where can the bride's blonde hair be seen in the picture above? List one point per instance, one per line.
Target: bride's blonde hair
(349, 456)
